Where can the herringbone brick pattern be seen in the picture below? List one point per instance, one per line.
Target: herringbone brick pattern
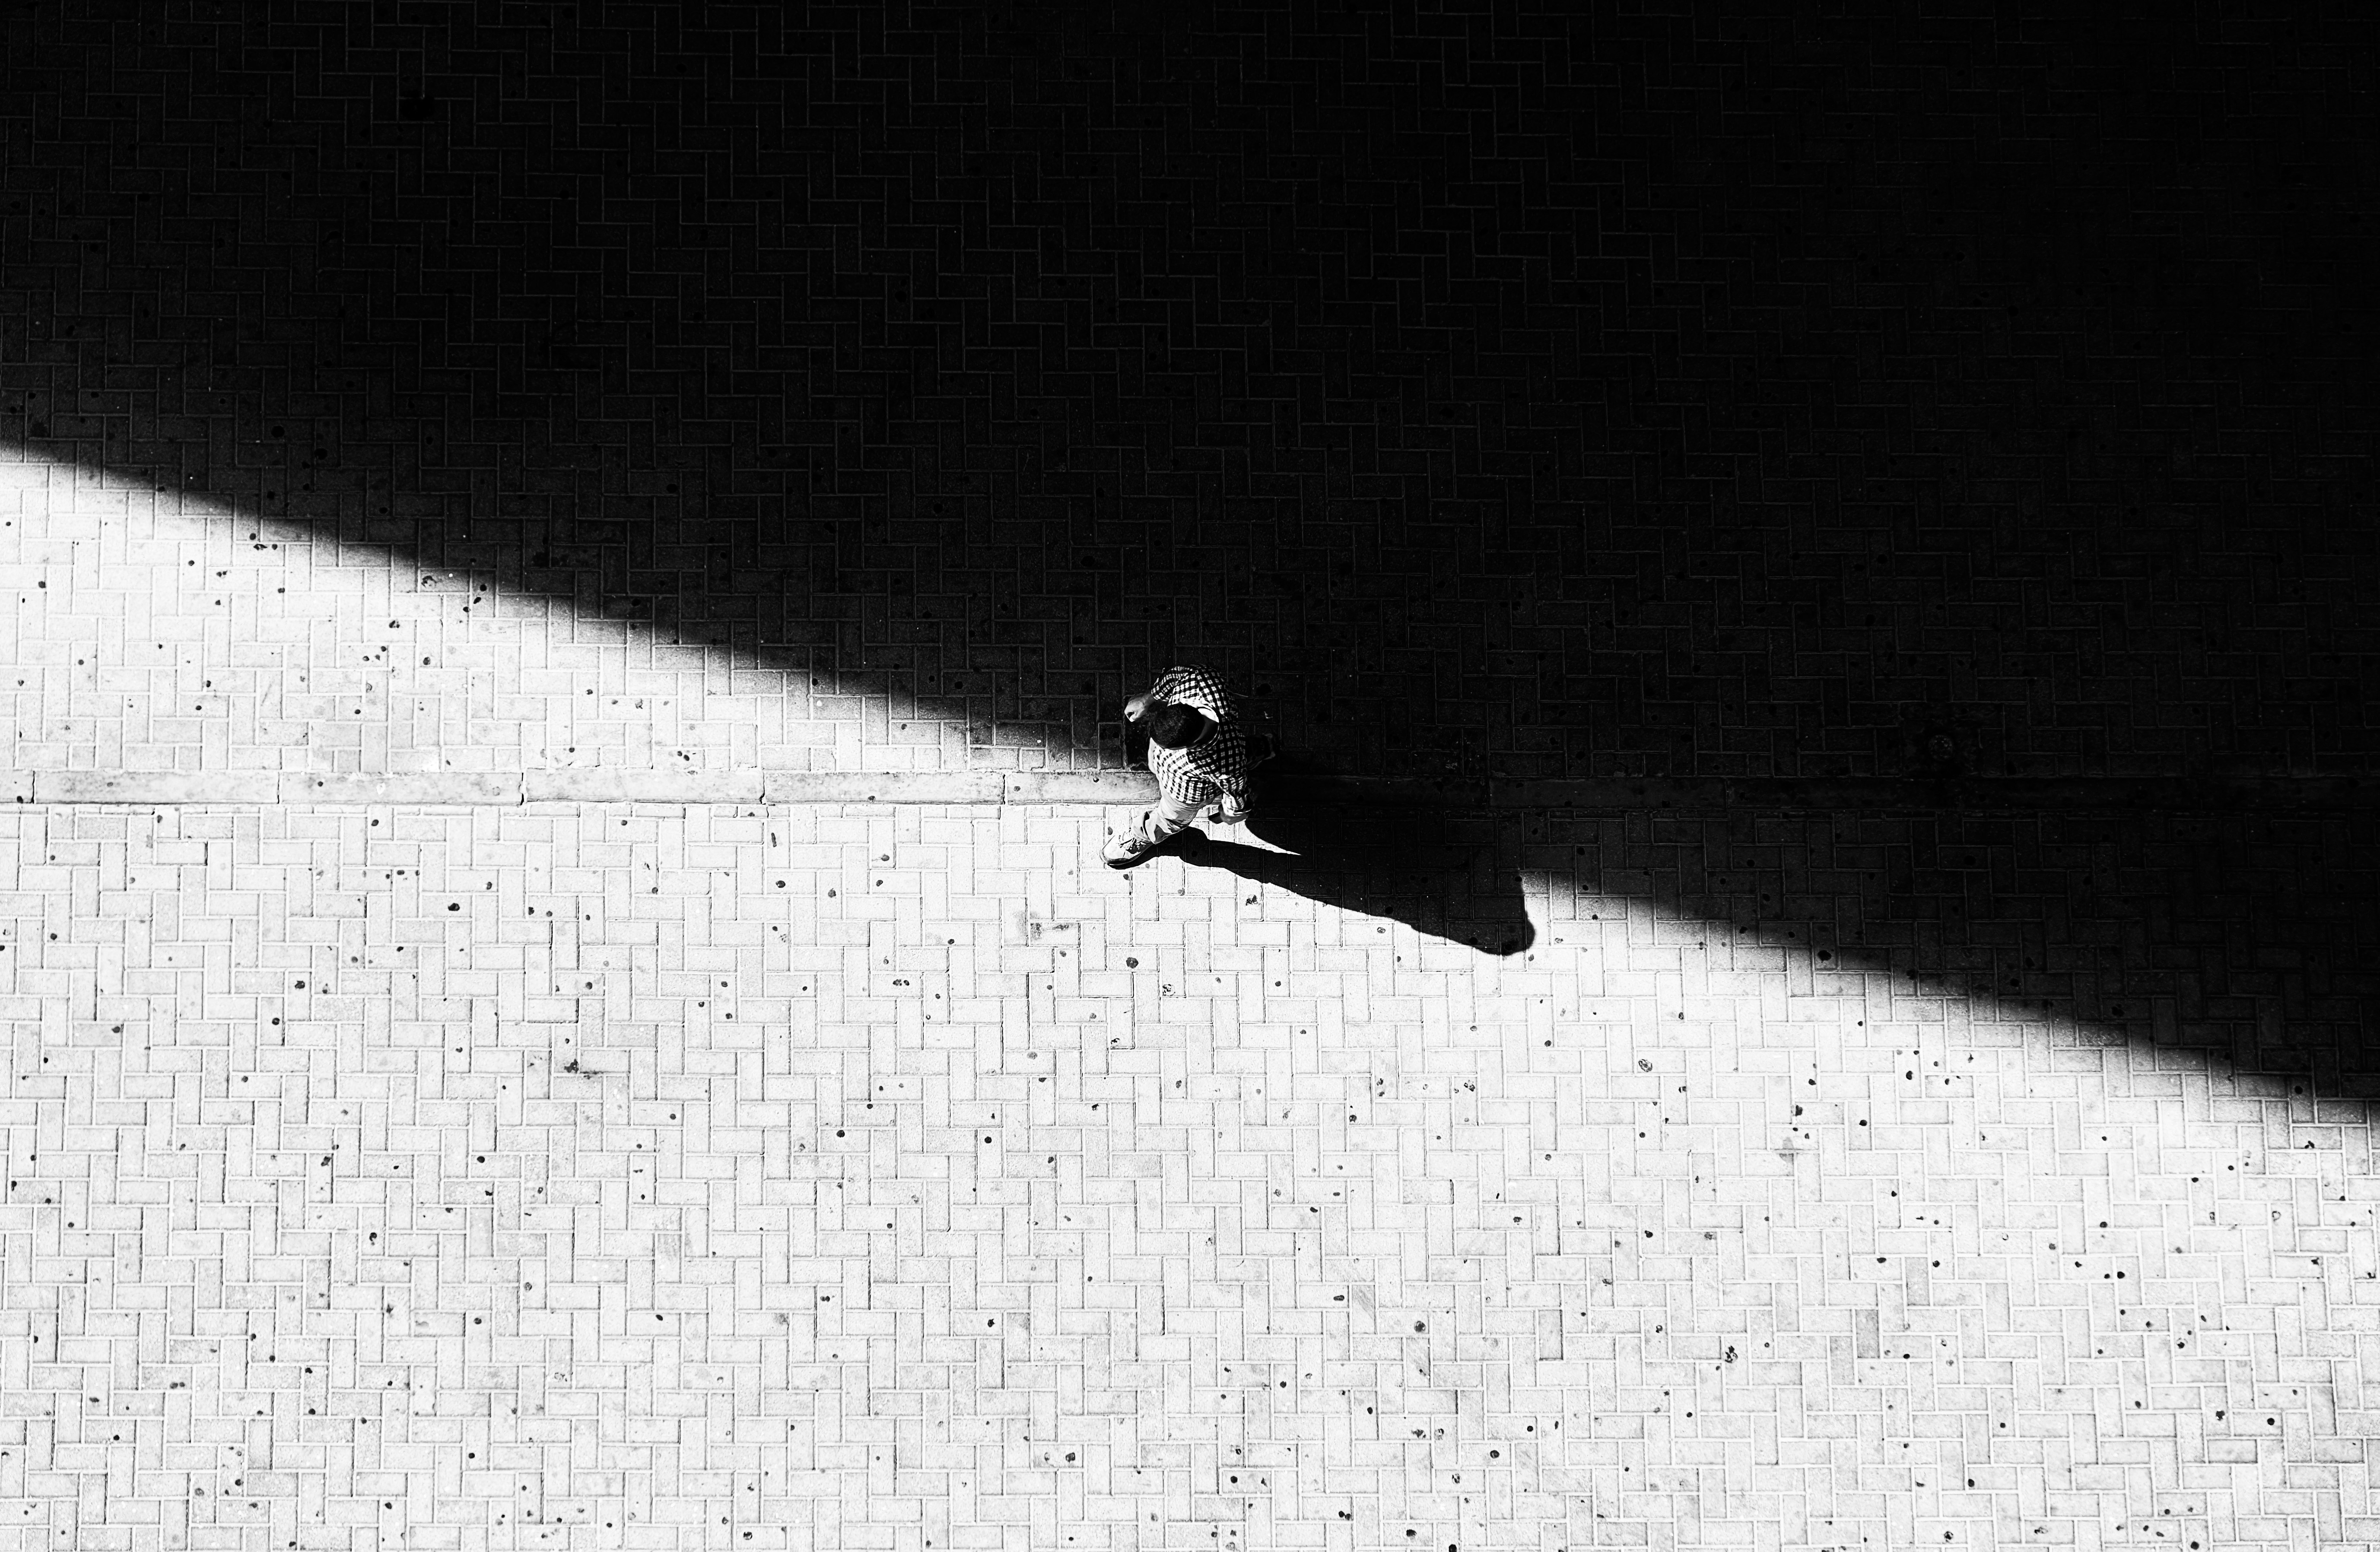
(154, 631)
(704, 1177)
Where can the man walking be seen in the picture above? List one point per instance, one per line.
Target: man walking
(1199, 751)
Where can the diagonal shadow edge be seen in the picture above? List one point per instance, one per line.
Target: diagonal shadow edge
(2304, 1034)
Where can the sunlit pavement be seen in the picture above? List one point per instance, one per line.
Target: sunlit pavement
(834, 1175)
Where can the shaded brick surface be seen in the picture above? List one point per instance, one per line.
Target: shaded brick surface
(1511, 391)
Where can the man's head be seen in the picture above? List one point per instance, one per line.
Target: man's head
(1174, 727)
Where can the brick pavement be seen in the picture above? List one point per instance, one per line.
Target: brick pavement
(656, 1175)
(493, 499)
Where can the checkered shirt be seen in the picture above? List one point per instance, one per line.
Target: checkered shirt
(1219, 765)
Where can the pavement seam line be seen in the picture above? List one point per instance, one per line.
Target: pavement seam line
(1110, 788)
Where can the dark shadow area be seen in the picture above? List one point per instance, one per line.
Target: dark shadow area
(2182, 938)
(1520, 391)
(1528, 392)
(1438, 875)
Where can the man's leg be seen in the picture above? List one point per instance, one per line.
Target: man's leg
(1236, 807)
(1153, 829)
(1169, 818)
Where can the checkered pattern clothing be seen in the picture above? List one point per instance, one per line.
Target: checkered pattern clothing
(1217, 765)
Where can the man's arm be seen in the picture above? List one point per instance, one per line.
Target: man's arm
(1167, 683)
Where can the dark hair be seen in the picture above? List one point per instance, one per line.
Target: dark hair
(1174, 726)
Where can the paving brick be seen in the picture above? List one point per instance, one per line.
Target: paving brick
(869, 1162)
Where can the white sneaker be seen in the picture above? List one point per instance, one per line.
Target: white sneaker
(1126, 848)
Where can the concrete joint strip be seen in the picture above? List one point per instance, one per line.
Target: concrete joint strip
(1941, 794)
(147, 787)
(863, 786)
(599, 785)
(1873, 794)
(2172, 794)
(430, 789)
(2202, 794)
(1374, 792)
(1611, 793)
(1079, 786)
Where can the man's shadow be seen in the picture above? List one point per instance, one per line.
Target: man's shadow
(1448, 875)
